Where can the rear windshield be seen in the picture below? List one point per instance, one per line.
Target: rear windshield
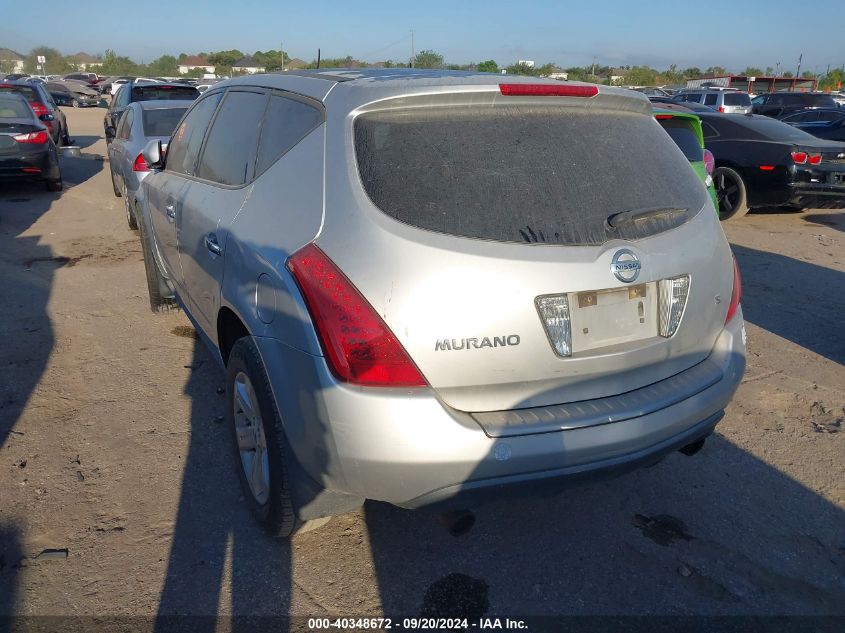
(161, 122)
(14, 109)
(737, 99)
(154, 92)
(683, 132)
(27, 92)
(767, 128)
(518, 174)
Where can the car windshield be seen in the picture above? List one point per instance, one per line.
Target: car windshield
(26, 91)
(14, 109)
(154, 92)
(524, 174)
(161, 122)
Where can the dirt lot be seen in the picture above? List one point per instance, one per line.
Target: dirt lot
(111, 450)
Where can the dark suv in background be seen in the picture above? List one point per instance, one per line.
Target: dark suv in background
(132, 91)
(43, 106)
(781, 104)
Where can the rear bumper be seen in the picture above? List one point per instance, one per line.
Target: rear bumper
(405, 447)
(22, 165)
(817, 195)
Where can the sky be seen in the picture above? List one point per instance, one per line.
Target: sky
(729, 33)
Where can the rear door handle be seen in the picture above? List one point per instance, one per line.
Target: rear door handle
(212, 244)
(171, 212)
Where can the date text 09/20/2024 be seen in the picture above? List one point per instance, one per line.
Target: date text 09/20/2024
(437, 624)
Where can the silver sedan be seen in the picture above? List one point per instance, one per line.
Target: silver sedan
(141, 122)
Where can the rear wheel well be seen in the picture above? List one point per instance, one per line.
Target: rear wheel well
(229, 329)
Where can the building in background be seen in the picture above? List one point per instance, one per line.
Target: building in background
(247, 65)
(195, 61)
(757, 85)
(84, 61)
(10, 61)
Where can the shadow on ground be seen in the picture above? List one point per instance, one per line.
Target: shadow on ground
(794, 299)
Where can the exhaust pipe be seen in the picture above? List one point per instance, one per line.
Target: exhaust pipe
(691, 449)
(458, 522)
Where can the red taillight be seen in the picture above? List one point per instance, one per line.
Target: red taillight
(32, 137)
(767, 167)
(814, 159)
(799, 158)
(140, 164)
(547, 90)
(30, 170)
(722, 109)
(709, 161)
(359, 347)
(736, 293)
(38, 108)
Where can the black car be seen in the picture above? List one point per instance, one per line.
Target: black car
(687, 106)
(782, 104)
(131, 92)
(64, 95)
(43, 105)
(764, 162)
(26, 148)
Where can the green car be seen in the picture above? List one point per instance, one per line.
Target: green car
(685, 130)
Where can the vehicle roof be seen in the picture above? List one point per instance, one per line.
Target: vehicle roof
(793, 92)
(365, 84)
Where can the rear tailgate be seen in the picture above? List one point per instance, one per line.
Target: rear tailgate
(471, 217)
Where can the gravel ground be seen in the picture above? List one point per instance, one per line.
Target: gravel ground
(118, 493)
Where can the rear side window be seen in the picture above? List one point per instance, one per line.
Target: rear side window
(710, 99)
(286, 122)
(819, 101)
(185, 144)
(683, 132)
(229, 154)
(125, 125)
(161, 122)
(155, 92)
(524, 174)
(737, 99)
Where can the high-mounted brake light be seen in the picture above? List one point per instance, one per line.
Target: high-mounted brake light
(799, 158)
(767, 167)
(140, 164)
(32, 137)
(359, 347)
(547, 90)
(736, 293)
(663, 117)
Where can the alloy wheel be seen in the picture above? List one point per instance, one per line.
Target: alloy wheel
(252, 441)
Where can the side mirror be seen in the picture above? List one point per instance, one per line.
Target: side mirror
(46, 117)
(110, 131)
(152, 154)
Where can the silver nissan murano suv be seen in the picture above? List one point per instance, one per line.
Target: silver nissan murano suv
(440, 288)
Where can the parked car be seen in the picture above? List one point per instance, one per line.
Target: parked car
(764, 162)
(781, 104)
(141, 122)
(138, 90)
(117, 83)
(67, 94)
(26, 148)
(687, 106)
(90, 79)
(725, 101)
(44, 106)
(685, 130)
(830, 130)
(425, 292)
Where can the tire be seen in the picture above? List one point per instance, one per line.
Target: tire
(131, 220)
(731, 194)
(159, 293)
(246, 380)
(54, 185)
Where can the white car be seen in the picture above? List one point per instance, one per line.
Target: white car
(117, 83)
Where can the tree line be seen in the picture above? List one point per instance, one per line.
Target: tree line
(223, 61)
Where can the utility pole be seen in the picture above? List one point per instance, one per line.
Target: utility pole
(777, 69)
(413, 54)
(798, 72)
(282, 51)
(593, 71)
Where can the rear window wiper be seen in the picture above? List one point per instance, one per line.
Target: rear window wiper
(618, 219)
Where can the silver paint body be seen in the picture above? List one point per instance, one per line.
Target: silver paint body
(414, 447)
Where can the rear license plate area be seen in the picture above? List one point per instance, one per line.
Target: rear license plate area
(601, 318)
